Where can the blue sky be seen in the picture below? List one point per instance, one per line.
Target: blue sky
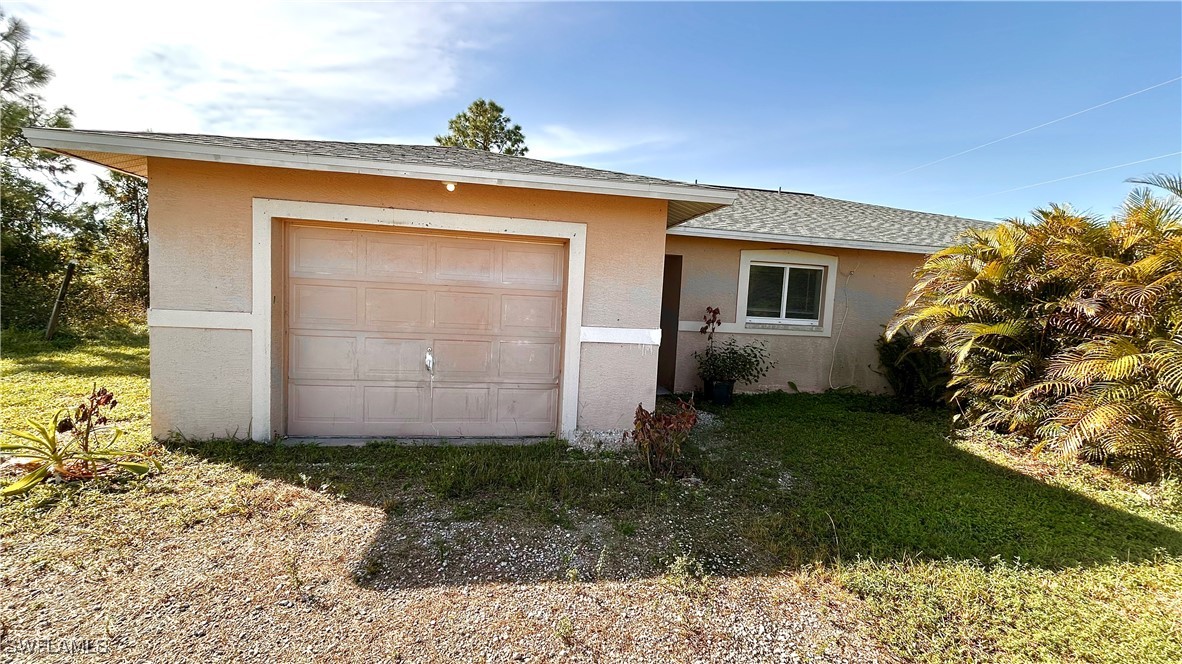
(838, 99)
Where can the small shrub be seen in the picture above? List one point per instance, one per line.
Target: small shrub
(660, 436)
(730, 361)
(918, 375)
(68, 446)
(733, 361)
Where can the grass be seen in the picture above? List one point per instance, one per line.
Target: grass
(39, 377)
(952, 547)
(966, 551)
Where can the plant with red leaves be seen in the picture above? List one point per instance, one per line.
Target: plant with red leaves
(660, 436)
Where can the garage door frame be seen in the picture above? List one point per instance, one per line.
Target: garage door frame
(268, 261)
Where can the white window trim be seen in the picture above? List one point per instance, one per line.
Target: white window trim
(775, 326)
(775, 320)
(787, 258)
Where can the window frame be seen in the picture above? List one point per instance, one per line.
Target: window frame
(788, 259)
(785, 320)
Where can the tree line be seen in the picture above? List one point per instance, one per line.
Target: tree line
(45, 221)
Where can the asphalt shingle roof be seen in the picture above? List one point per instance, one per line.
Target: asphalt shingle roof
(416, 155)
(805, 215)
(779, 215)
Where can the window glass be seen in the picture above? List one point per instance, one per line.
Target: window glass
(804, 294)
(765, 291)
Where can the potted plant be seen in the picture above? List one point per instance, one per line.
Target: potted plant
(722, 364)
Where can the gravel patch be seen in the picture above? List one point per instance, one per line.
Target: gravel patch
(292, 574)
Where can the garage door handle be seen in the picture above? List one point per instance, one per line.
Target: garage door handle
(429, 362)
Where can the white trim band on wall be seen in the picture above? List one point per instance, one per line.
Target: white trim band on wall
(771, 330)
(209, 320)
(620, 335)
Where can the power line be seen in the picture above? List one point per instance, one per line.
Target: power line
(1077, 175)
(1027, 131)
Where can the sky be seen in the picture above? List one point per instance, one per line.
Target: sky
(881, 103)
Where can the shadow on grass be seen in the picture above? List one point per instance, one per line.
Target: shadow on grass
(102, 356)
(789, 480)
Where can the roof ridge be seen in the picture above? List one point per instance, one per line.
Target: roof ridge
(738, 188)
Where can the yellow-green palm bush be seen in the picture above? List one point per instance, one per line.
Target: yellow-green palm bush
(1066, 328)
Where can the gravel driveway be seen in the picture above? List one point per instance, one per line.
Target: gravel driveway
(292, 574)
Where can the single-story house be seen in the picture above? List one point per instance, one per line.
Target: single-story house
(317, 288)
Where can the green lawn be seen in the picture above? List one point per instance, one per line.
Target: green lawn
(40, 377)
(961, 550)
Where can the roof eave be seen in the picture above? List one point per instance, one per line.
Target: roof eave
(778, 238)
(92, 146)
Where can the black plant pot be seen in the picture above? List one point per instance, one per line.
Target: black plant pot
(721, 392)
(707, 389)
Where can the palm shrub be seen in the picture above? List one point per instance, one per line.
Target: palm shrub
(1067, 329)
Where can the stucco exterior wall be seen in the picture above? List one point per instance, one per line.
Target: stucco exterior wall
(201, 260)
(200, 381)
(863, 303)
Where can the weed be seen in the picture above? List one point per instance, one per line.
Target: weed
(601, 563)
(687, 575)
(570, 568)
(659, 436)
(442, 549)
(564, 629)
(293, 575)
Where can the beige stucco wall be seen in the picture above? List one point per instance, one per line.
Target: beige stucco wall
(710, 274)
(201, 260)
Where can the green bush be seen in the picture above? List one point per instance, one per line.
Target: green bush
(1067, 329)
(918, 375)
(731, 360)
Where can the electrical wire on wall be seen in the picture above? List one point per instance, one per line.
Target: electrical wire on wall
(841, 326)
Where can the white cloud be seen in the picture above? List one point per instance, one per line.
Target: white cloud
(303, 70)
(561, 143)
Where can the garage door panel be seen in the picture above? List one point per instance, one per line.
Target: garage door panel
(321, 305)
(527, 405)
(465, 262)
(317, 252)
(395, 308)
(385, 358)
(536, 360)
(325, 403)
(389, 404)
(404, 259)
(530, 314)
(321, 356)
(460, 359)
(460, 404)
(474, 312)
(533, 265)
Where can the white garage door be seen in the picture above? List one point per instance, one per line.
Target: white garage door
(398, 333)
